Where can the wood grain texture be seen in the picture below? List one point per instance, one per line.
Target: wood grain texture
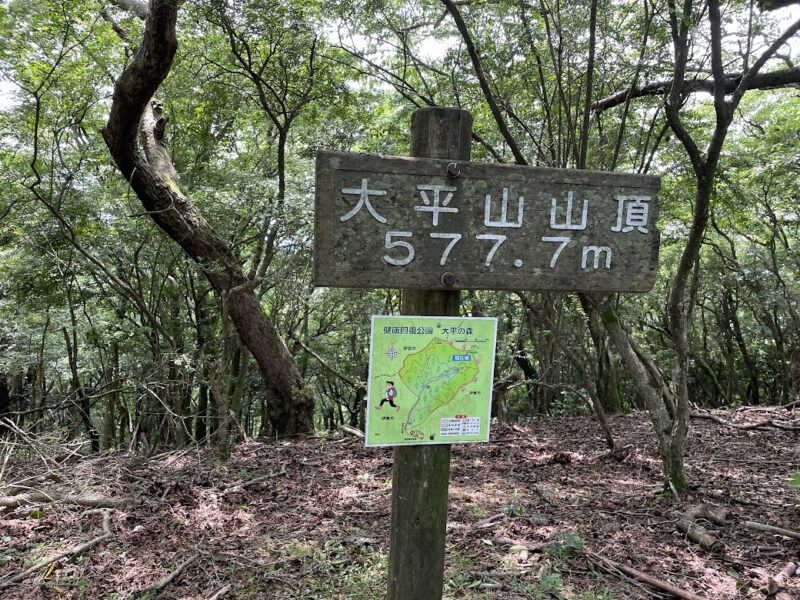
(421, 474)
(353, 252)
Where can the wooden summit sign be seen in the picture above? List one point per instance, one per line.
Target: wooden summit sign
(424, 223)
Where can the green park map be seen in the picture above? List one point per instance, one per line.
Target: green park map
(430, 380)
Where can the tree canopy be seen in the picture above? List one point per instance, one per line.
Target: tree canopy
(156, 205)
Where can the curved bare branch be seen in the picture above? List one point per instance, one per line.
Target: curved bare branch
(761, 81)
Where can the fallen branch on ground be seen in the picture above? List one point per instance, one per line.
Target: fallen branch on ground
(608, 564)
(781, 579)
(11, 580)
(221, 592)
(687, 524)
(771, 529)
(503, 541)
(352, 431)
(765, 424)
(166, 580)
(699, 534)
(89, 500)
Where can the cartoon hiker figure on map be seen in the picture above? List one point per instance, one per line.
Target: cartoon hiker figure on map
(391, 394)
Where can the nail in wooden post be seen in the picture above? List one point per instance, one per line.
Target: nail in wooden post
(421, 474)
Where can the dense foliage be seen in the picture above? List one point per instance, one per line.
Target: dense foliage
(111, 335)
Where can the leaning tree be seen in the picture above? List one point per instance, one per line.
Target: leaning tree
(135, 136)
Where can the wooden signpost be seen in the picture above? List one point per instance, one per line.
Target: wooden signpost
(435, 224)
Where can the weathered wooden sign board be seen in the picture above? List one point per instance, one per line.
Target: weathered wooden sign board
(424, 223)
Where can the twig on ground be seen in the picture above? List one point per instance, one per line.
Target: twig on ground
(220, 592)
(11, 580)
(490, 521)
(648, 591)
(771, 529)
(603, 562)
(783, 426)
(166, 580)
(352, 431)
(34, 497)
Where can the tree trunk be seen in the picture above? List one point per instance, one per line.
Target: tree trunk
(83, 405)
(202, 410)
(670, 433)
(607, 386)
(154, 180)
(5, 402)
(729, 310)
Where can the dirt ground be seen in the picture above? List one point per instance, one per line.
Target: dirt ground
(532, 514)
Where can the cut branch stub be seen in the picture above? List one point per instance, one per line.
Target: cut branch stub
(699, 534)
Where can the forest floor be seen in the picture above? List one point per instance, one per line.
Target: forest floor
(537, 513)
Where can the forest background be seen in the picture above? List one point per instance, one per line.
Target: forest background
(173, 305)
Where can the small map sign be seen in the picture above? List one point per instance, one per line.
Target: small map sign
(426, 223)
(430, 380)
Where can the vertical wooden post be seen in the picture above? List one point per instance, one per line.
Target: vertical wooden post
(421, 474)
